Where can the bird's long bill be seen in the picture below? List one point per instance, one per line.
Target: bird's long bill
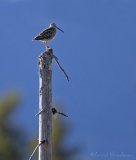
(60, 29)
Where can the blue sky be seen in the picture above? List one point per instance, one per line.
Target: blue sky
(98, 52)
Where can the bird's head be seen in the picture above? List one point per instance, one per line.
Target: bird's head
(55, 26)
(52, 25)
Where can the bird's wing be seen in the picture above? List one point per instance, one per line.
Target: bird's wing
(47, 31)
(47, 34)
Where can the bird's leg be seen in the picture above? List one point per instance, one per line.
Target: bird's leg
(46, 44)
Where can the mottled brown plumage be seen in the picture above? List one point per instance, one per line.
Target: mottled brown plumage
(47, 34)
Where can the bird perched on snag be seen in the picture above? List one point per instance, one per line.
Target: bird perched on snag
(47, 34)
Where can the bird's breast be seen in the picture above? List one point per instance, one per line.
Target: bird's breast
(49, 34)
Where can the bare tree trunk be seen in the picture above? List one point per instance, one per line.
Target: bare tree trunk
(45, 103)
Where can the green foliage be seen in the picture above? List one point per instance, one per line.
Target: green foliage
(11, 143)
(60, 134)
(10, 136)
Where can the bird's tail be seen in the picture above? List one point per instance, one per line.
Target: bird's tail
(38, 38)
